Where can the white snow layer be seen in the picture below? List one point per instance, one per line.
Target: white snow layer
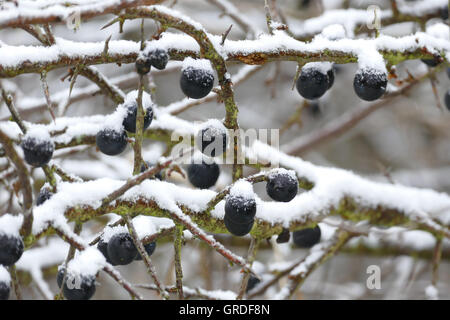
(10, 225)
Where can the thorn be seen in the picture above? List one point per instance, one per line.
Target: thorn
(225, 34)
(105, 49)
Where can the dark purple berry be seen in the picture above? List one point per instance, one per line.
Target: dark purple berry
(11, 249)
(149, 248)
(447, 100)
(121, 249)
(111, 142)
(203, 175)
(129, 122)
(158, 58)
(370, 84)
(43, 196)
(147, 166)
(306, 238)
(143, 65)
(212, 141)
(37, 152)
(312, 83)
(284, 236)
(238, 229)
(4, 290)
(282, 187)
(78, 287)
(239, 214)
(196, 83)
(252, 283)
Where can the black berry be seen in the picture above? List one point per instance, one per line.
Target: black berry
(312, 83)
(121, 249)
(239, 214)
(37, 152)
(238, 229)
(159, 58)
(447, 100)
(432, 62)
(252, 283)
(129, 122)
(147, 166)
(44, 195)
(149, 248)
(78, 287)
(11, 249)
(212, 141)
(282, 187)
(284, 236)
(203, 175)
(196, 83)
(370, 84)
(111, 142)
(143, 65)
(4, 290)
(307, 238)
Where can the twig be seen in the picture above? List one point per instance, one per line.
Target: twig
(47, 94)
(14, 113)
(15, 282)
(253, 248)
(177, 259)
(145, 257)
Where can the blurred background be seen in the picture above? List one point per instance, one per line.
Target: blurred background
(406, 141)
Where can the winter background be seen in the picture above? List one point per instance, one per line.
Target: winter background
(404, 142)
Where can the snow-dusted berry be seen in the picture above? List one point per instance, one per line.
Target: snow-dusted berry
(447, 100)
(370, 84)
(11, 249)
(306, 238)
(149, 248)
(252, 283)
(121, 249)
(212, 140)
(203, 175)
(313, 81)
(158, 58)
(79, 287)
(196, 82)
(111, 142)
(102, 246)
(282, 186)
(129, 122)
(143, 65)
(44, 195)
(38, 150)
(149, 165)
(239, 214)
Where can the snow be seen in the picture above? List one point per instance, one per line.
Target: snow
(4, 275)
(323, 67)
(201, 64)
(37, 133)
(431, 292)
(10, 224)
(87, 263)
(243, 189)
(109, 232)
